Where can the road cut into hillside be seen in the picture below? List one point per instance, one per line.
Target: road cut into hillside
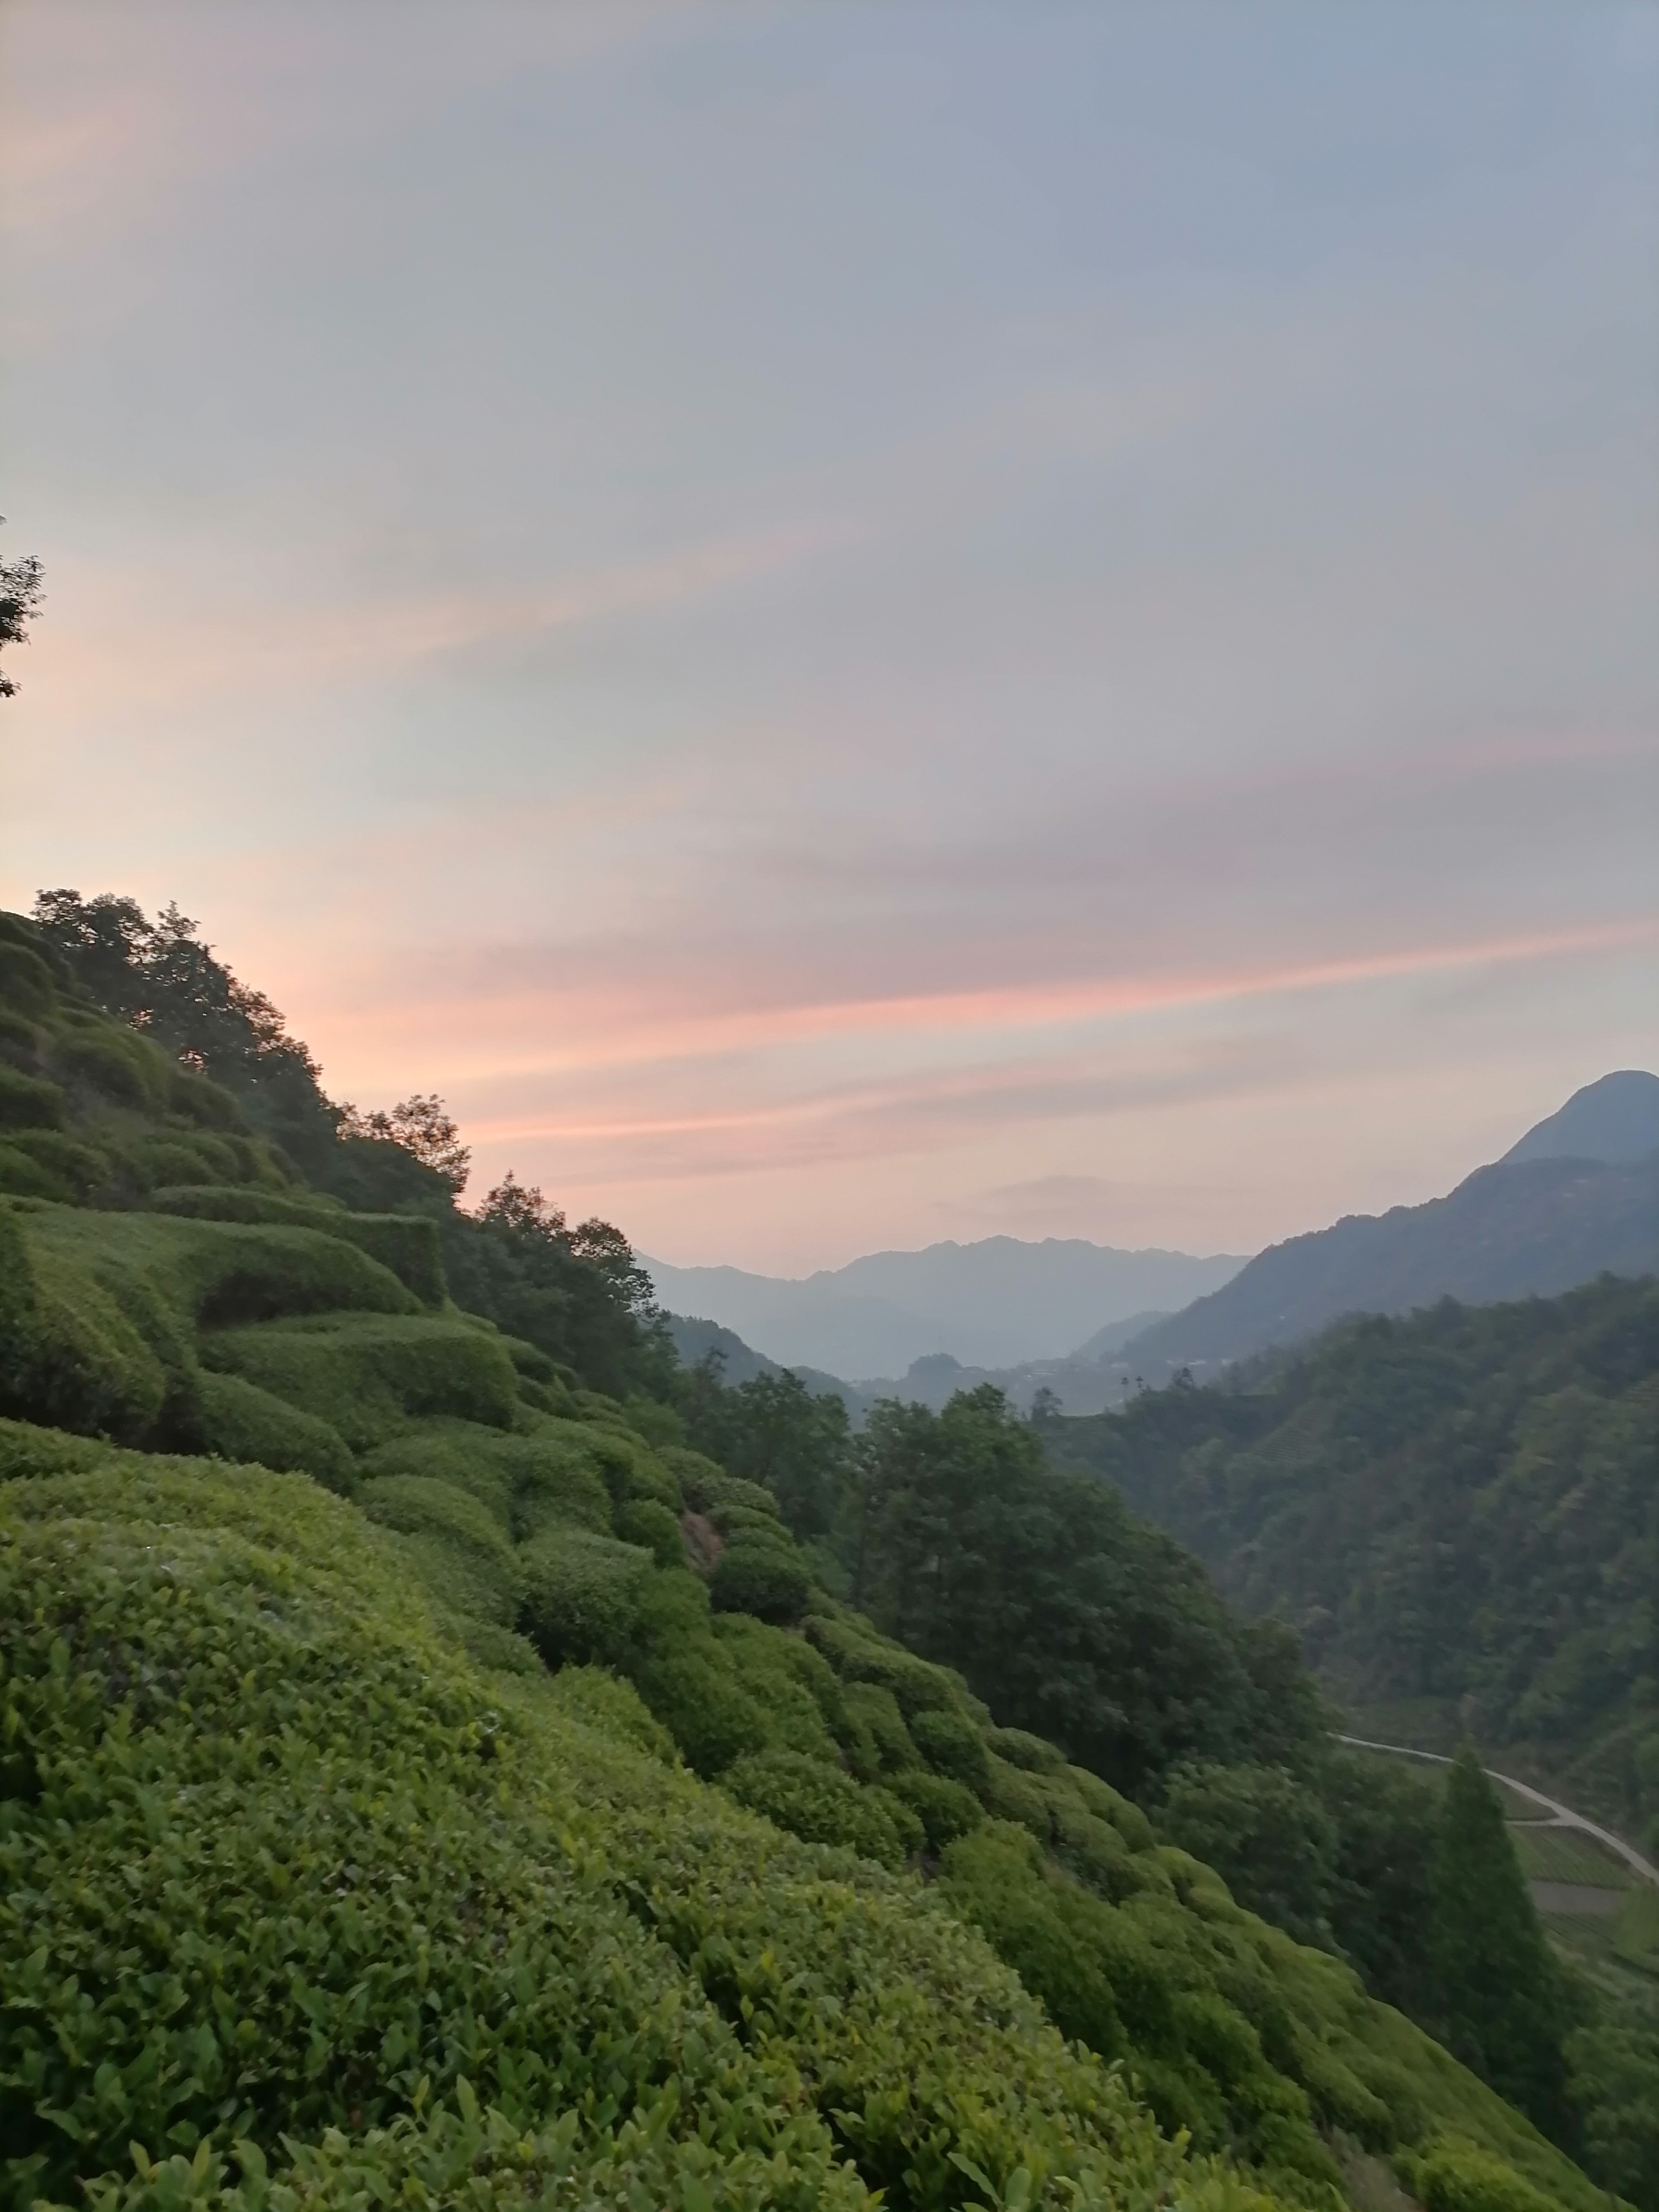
(1561, 1816)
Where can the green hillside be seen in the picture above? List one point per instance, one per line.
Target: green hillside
(424, 1779)
(1459, 1512)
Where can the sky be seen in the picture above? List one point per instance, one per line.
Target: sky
(860, 623)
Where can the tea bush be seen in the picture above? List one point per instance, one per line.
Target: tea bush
(822, 1805)
(277, 1866)
(951, 1744)
(642, 1521)
(945, 1809)
(763, 1578)
(462, 1553)
(369, 1376)
(581, 1595)
(235, 1419)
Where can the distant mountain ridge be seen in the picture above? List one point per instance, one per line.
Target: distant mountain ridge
(1552, 1213)
(1616, 1120)
(995, 1304)
(694, 1339)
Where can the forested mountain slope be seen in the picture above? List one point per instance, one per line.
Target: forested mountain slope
(424, 1778)
(1458, 1511)
(1536, 1226)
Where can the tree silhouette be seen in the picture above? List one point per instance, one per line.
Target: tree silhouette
(20, 602)
(1497, 1991)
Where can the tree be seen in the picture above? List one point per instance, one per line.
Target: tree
(773, 1430)
(1069, 1616)
(423, 1127)
(162, 977)
(1385, 1816)
(20, 602)
(1269, 1837)
(576, 1293)
(1496, 1990)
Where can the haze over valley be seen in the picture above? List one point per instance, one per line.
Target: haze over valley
(1577, 1196)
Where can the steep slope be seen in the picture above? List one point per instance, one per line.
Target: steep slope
(1533, 1227)
(1460, 1511)
(491, 1809)
(1615, 1120)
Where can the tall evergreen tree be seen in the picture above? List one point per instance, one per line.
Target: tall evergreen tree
(1497, 1991)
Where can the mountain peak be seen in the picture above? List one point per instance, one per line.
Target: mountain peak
(1615, 1120)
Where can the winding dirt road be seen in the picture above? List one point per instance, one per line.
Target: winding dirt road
(1561, 1816)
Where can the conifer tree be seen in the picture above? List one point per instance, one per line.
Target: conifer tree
(1498, 1991)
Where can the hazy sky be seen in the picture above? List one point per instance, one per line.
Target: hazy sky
(856, 623)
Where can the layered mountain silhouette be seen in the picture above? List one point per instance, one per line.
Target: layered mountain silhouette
(1578, 1196)
(992, 1304)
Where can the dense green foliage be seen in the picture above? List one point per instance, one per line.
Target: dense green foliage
(360, 1845)
(1458, 1511)
(231, 1098)
(1070, 1618)
(1496, 1995)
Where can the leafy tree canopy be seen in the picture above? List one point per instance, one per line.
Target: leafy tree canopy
(21, 594)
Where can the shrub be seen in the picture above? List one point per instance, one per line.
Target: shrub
(760, 1650)
(708, 1489)
(302, 1847)
(626, 1464)
(25, 981)
(693, 1473)
(1019, 1748)
(80, 1168)
(857, 1655)
(260, 1786)
(694, 1693)
(1093, 1850)
(763, 1661)
(118, 1062)
(1457, 2177)
(28, 1102)
(201, 1100)
(581, 1595)
(198, 1159)
(463, 1556)
(403, 1244)
(455, 1452)
(764, 1579)
(603, 1701)
(530, 1482)
(1012, 1794)
(945, 1809)
(533, 1364)
(952, 1745)
(689, 1681)
(235, 1419)
(21, 1176)
(874, 1712)
(818, 1803)
(642, 1521)
(369, 1374)
(212, 1274)
(69, 1357)
(1109, 1804)
(555, 1483)
(993, 1877)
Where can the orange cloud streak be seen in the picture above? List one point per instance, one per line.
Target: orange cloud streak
(1018, 1006)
